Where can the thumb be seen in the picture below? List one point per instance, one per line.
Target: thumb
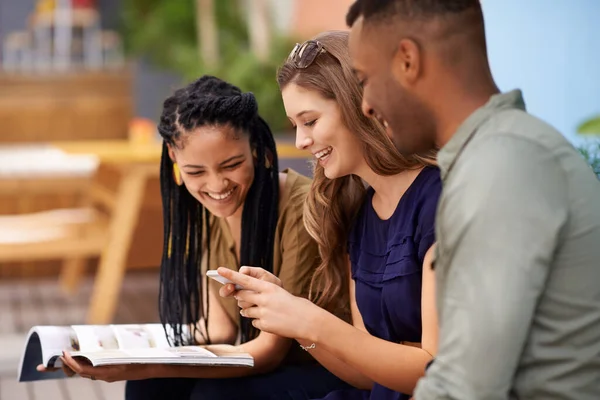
(254, 272)
(261, 274)
(246, 281)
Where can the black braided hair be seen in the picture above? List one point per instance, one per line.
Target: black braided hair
(209, 101)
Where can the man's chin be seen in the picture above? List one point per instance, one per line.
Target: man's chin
(408, 149)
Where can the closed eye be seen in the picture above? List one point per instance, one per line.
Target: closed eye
(233, 166)
(310, 123)
(195, 173)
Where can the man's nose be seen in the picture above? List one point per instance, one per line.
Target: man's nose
(367, 109)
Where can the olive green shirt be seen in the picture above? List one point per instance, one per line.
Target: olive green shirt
(517, 263)
(295, 253)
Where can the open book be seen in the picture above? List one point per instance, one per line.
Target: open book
(117, 344)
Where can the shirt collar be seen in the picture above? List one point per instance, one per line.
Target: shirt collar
(502, 101)
(226, 236)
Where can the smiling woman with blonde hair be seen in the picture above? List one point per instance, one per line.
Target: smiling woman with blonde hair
(375, 240)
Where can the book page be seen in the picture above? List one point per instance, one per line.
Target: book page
(140, 336)
(45, 345)
(148, 355)
(191, 351)
(226, 350)
(94, 338)
(158, 333)
(170, 352)
(54, 340)
(130, 354)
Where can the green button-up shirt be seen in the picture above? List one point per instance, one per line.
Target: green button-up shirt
(517, 263)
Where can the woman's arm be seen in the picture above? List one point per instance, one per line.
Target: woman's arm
(221, 328)
(333, 364)
(337, 367)
(268, 350)
(393, 365)
(429, 317)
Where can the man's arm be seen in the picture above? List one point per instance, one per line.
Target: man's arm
(500, 220)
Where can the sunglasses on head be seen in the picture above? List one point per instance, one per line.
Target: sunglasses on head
(303, 55)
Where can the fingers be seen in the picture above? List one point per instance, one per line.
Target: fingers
(69, 363)
(254, 272)
(41, 368)
(244, 304)
(246, 281)
(67, 371)
(249, 296)
(256, 323)
(79, 368)
(261, 274)
(227, 290)
(251, 312)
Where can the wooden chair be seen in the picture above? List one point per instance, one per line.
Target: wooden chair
(73, 235)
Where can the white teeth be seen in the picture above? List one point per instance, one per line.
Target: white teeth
(220, 196)
(323, 153)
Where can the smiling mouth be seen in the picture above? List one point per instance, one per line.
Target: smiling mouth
(320, 155)
(221, 196)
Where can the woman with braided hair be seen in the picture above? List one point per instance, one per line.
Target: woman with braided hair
(225, 203)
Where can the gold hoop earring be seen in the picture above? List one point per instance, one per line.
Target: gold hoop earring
(177, 175)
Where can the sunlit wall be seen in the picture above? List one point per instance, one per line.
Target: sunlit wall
(551, 50)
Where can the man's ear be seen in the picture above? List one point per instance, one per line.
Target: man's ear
(407, 62)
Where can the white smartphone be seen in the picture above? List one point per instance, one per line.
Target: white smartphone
(213, 274)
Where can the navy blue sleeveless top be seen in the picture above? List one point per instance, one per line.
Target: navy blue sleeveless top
(387, 263)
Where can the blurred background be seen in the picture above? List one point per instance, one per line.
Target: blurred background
(81, 87)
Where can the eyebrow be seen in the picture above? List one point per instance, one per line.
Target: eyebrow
(301, 113)
(230, 159)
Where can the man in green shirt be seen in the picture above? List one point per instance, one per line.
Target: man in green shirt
(518, 223)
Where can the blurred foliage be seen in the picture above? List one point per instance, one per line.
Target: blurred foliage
(590, 127)
(591, 149)
(591, 152)
(164, 31)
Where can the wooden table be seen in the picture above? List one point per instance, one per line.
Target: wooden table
(137, 164)
(125, 152)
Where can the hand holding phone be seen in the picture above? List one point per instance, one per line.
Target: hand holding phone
(213, 274)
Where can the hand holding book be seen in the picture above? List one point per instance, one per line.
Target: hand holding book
(107, 373)
(114, 352)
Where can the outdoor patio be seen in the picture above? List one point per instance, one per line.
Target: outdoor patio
(24, 304)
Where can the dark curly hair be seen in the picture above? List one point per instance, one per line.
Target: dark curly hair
(209, 101)
(390, 10)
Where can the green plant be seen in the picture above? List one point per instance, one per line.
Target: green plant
(165, 33)
(591, 149)
(591, 152)
(590, 127)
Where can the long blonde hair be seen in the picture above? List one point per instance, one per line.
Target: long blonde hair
(332, 204)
